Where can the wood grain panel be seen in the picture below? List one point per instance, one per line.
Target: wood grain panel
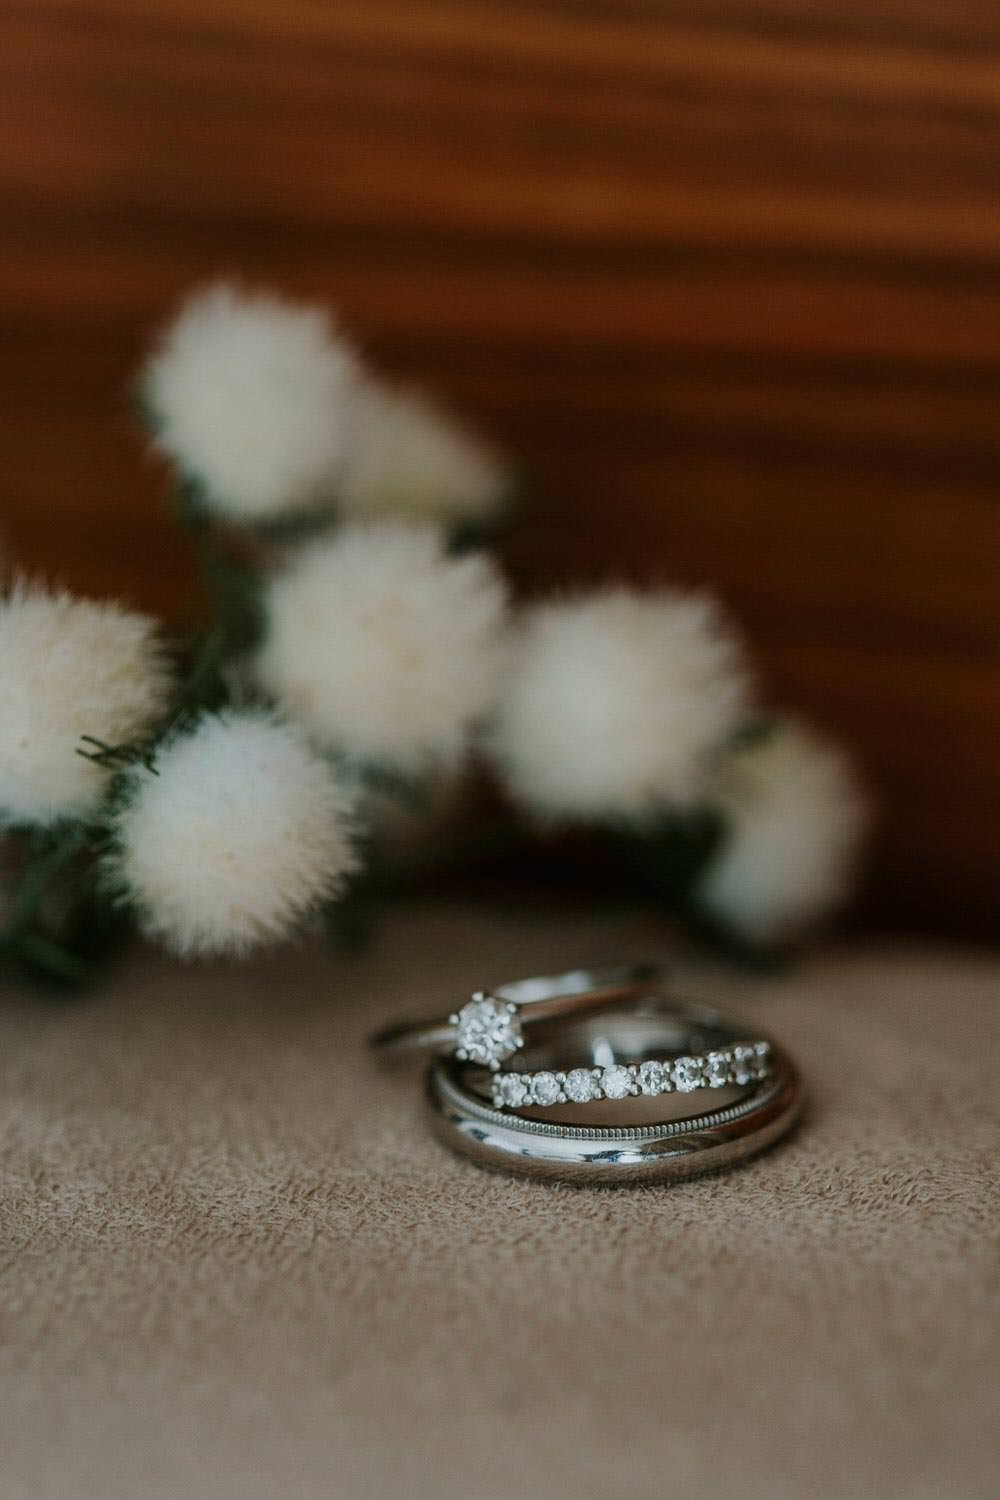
(725, 275)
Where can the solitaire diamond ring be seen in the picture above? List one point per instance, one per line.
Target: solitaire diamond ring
(488, 1029)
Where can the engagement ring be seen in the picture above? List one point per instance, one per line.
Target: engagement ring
(489, 1028)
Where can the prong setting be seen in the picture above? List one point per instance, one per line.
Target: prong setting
(487, 1030)
(741, 1064)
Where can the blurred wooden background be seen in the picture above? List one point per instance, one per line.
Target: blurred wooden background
(724, 273)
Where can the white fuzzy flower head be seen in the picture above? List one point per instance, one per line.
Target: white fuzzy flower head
(796, 816)
(616, 703)
(243, 833)
(70, 667)
(408, 458)
(252, 397)
(384, 646)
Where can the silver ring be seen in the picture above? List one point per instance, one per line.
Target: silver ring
(489, 1028)
(743, 1122)
(740, 1064)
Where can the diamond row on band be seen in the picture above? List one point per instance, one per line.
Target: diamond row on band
(743, 1063)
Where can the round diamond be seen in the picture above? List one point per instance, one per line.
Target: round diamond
(762, 1053)
(744, 1064)
(688, 1074)
(653, 1078)
(581, 1085)
(616, 1082)
(487, 1031)
(545, 1088)
(717, 1065)
(512, 1090)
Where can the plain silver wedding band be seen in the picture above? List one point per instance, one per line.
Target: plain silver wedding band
(666, 1149)
(547, 997)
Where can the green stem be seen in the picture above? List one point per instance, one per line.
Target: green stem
(35, 947)
(42, 871)
(48, 960)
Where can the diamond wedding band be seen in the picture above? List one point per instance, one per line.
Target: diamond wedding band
(663, 1150)
(741, 1064)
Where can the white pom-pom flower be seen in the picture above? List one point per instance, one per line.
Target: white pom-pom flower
(252, 397)
(408, 458)
(384, 646)
(795, 815)
(242, 831)
(616, 703)
(70, 667)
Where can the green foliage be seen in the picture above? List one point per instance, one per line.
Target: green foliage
(116, 757)
(668, 854)
(473, 535)
(57, 931)
(666, 860)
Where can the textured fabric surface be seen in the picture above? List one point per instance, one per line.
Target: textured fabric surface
(237, 1265)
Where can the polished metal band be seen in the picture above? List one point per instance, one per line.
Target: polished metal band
(744, 1121)
(489, 1027)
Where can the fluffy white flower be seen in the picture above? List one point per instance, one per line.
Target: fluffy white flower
(243, 832)
(384, 646)
(70, 667)
(253, 397)
(616, 703)
(796, 818)
(408, 458)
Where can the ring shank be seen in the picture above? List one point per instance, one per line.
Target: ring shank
(545, 998)
(662, 1150)
(657, 1026)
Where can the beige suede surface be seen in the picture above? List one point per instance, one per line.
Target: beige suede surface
(236, 1264)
